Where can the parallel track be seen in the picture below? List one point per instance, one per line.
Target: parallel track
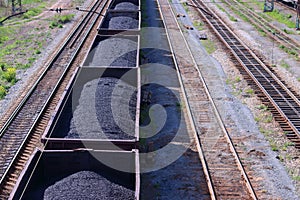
(16, 138)
(224, 172)
(293, 9)
(284, 105)
(260, 22)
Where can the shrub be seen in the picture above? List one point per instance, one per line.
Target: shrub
(249, 91)
(53, 24)
(32, 12)
(2, 92)
(10, 75)
(65, 18)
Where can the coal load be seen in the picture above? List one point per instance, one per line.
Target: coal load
(89, 186)
(126, 6)
(122, 23)
(123, 104)
(118, 52)
(108, 114)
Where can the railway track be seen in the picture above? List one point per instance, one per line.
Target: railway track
(287, 43)
(21, 134)
(224, 172)
(30, 84)
(281, 101)
(293, 9)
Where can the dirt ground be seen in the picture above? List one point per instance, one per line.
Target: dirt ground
(41, 41)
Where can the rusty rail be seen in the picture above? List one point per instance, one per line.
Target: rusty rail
(282, 102)
(17, 139)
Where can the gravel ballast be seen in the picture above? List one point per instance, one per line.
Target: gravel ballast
(122, 23)
(94, 118)
(126, 6)
(27, 77)
(270, 179)
(119, 52)
(87, 185)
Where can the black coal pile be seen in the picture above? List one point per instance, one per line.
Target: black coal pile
(126, 6)
(108, 114)
(123, 22)
(120, 52)
(117, 109)
(126, 60)
(87, 185)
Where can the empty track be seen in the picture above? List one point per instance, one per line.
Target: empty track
(285, 5)
(287, 43)
(224, 172)
(21, 133)
(281, 101)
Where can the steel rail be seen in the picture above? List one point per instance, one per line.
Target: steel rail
(216, 112)
(271, 30)
(40, 111)
(274, 90)
(293, 9)
(52, 60)
(188, 107)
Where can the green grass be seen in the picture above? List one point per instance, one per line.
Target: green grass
(237, 79)
(221, 8)
(273, 145)
(296, 178)
(209, 46)
(20, 51)
(285, 65)
(286, 145)
(227, 13)
(63, 19)
(9, 75)
(288, 31)
(249, 91)
(53, 24)
(268, 119)
(289, 51)
(31, 60)
(2, 92)
(257, 119)
(34, 8)
(237, 92)
(59, 20)
(262, 107)
(198, 25)
(266, 132)
(6, 33)
(228, 81)
(233, 18)
(261, 31)
(18, 47)
(31, 1)
(186, 8)
(282, 18)
(32, 12)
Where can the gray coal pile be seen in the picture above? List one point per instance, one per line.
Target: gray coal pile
(120, 52)
(108, 114)
(87, 185)
(122, 23)
(126, 6)
(124, 110)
